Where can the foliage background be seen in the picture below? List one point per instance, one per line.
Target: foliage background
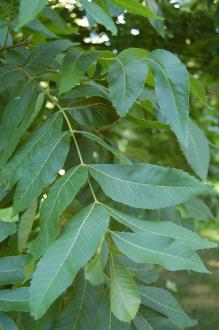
(191, 33)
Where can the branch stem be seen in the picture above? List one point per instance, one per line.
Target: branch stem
(52, 98)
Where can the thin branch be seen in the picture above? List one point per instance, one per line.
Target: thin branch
(23, 43)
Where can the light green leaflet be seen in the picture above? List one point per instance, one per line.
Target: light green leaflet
(6, 215)
(6, 229)
(41, 170)
(25, 225)
(146, 186)
(163, 229)
(29, 9)
(133, 6)
(124, 296)
(75, 64)
(7, 323)
(145, 247)
(60, 196)
(172, 90)
(14, 300)
(197, 152)
(99, 15)
(14, 168)
(94, 270)
(163, 302)
(12, 269)
(64, 258)
(198, 90)
(198, 210)
(126, 79)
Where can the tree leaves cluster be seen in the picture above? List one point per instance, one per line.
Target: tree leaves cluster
(82, 242)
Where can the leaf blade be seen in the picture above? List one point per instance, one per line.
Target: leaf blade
(147, 248)
(124, 296)
(172, 89)
(146, 186)
(41, 170)
(61, 194)
(126, 79)
(93, 219)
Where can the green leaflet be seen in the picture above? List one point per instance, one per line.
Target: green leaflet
(146, 123)
(118, 154)
(12, 269)
(197, 152)
(43, 55)
(60, 196)
(145, 185)
(134, 7)
(198, 210)
(146, 321)
(92, 112)
(14, 300)
(124, 296)
(66, 256)
(157, 24)
(29, 9)
(106, 319)
(7, 323)
(24, 154)
(80, 312)
(17, 106)
(141, 322)
(126, 79)
(74, 66)
(10, 76)
(41, 170)
(88, 89)
(94, 270)
(143, 272)
(99, 15)
(161, 323)
(198, 90)
(146, 247)
(6, 229)
(29, 109)
(163, 229)
(25, 225)
(163, 302)
(88, 308)
(172, 90)
(37, 26)
(6, 215)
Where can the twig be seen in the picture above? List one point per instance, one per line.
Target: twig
(23, 43)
